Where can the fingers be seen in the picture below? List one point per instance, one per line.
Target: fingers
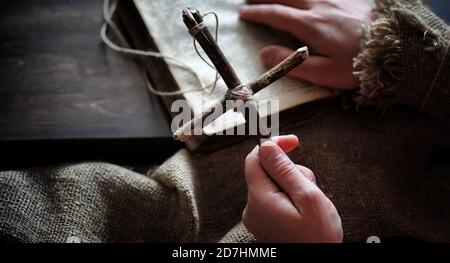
(287, 142)
(301, 4)
(307, 173)
(311, 70)
(288, 176)
(256, 178)
(316, 69)
(255, 175)
(280, 17)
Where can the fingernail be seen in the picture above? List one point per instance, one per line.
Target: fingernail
(269, 150)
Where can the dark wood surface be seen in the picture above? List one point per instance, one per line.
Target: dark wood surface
(63, 93)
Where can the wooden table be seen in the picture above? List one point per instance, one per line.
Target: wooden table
(65, 96)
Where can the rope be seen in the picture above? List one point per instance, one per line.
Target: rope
(108, 12)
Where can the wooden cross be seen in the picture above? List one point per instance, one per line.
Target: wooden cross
(236, 91)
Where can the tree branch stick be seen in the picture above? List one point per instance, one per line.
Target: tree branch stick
(245, 92)
(292, 61)
(194, 22)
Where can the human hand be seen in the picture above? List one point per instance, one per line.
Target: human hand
(332, 30)
(284, 204)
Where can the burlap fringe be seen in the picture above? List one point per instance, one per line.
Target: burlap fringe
(379, 66)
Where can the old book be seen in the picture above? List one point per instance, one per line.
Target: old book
(240, 41)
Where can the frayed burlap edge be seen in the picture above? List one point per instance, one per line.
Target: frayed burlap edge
(379, 65)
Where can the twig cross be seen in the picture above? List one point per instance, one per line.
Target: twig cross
(236, 91)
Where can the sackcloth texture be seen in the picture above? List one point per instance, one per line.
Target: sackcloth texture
(387, 174)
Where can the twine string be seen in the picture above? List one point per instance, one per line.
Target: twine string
(108, 13)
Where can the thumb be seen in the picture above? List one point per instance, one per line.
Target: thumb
(286, 174)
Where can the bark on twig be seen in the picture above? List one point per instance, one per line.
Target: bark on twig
(236, 91)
